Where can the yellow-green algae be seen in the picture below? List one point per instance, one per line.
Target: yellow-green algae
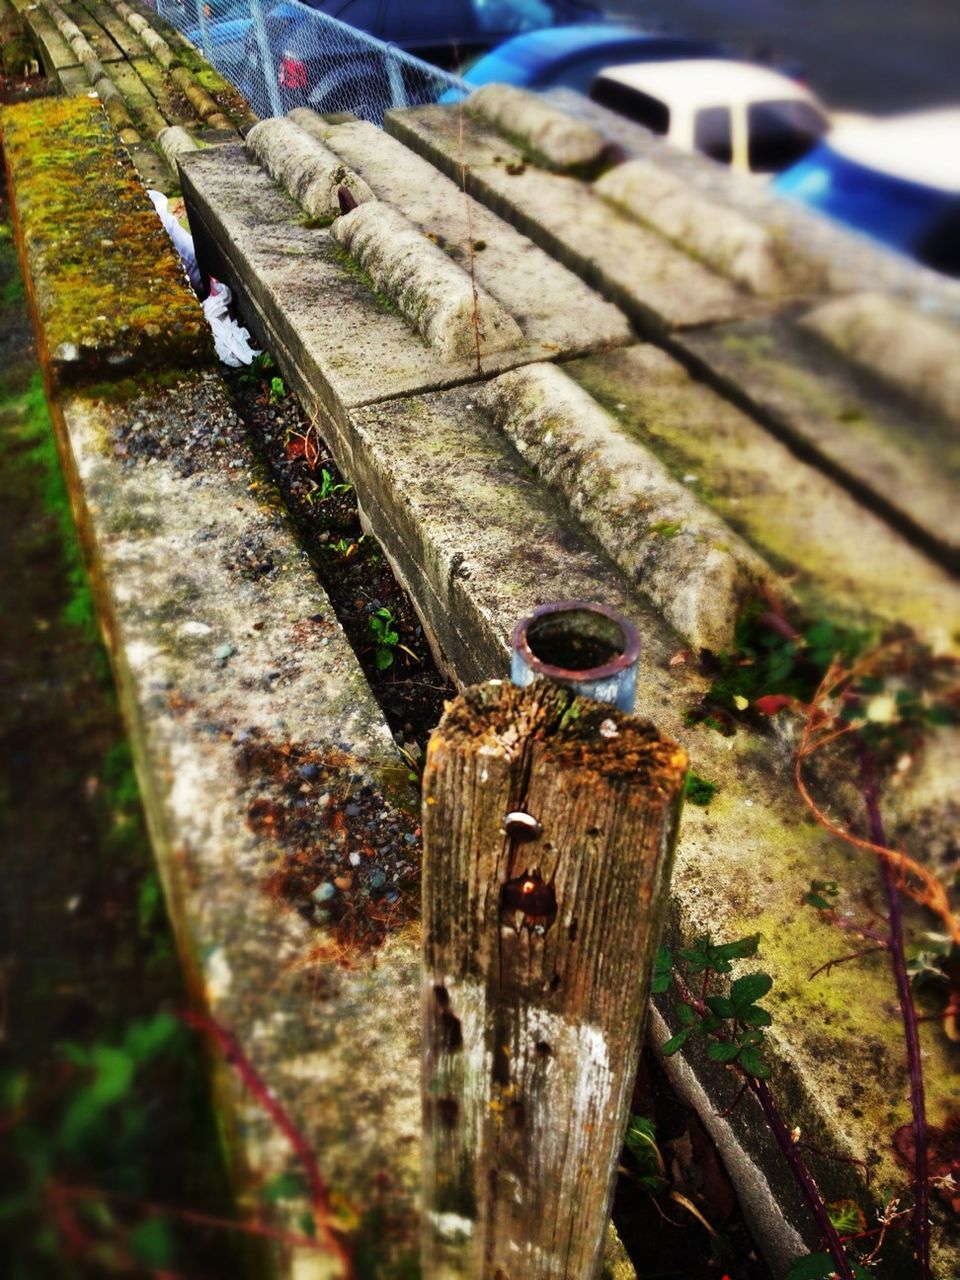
(108, 288)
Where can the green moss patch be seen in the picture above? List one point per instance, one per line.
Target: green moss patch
(109, 289)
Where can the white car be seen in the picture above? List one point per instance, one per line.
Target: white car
(752, 118)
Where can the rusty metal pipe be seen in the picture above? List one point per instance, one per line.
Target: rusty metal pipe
(587, 647)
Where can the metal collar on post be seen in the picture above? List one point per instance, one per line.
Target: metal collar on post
(587, 647)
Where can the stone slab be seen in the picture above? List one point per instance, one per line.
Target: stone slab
(107, 17)
(842, 561)
(74, 195)
(690, 563)
(908, 352)
(300, 285)
(100, 40)
(659, 286)
(846, 261)
(895, 456)
(551, 305)
(55, 53)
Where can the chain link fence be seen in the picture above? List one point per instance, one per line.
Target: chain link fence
(282, 54)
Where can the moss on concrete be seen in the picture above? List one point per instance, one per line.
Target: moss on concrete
(106, 284)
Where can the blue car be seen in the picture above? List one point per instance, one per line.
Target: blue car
(895, 180)
(571, 56)
(317, 64)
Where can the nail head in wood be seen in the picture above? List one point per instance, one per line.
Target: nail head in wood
(522, 827)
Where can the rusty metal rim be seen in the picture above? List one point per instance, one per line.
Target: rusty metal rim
(629, 655)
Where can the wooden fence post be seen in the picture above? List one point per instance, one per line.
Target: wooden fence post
(549, 823)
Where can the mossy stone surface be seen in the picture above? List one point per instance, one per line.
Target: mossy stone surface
(107, 287)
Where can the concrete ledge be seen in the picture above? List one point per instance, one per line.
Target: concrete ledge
(307, 297)
(658, 285)
(740, 249)
(306, 168)
(551, 305)
(841, 560)
(892, 455)
(439, 299)
(909, 352)
(692, 566)
(552, 134)
(75, 196)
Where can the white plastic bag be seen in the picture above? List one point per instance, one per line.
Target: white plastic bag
(182, 240)
(231, 340)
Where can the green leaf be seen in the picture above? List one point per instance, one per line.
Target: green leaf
(814, 900)
(152, 1243)
(750, 988)
(653, 1183)
(723, 1051)
(676, 1042)
(755, 1016)
(739, 950)
(750, 1038)
(753, 1064)
(686, 1015)
(384, 659)
(114, 1076)
(147, 1036)
(846, 1217)
(711, 1023)
(660, 983)
(721, 1006)
(307, 1224)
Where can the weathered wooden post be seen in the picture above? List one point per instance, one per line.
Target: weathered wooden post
(549, 822)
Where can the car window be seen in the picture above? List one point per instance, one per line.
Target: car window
(641, 107)
(939, 246)
(781, 133)
(712, 133)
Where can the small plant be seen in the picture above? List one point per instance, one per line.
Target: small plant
(385, 637)
(257, 370)
(698, 790)
(277, 390)
(326, 488)
(734, 1021)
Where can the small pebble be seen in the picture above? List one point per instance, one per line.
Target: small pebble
(354, 859)
(378, 878)
(309, 772)
(323, 892)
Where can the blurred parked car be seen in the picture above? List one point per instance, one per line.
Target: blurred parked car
(329, 73)
(896, 180)
(752, 118)
(571, 56)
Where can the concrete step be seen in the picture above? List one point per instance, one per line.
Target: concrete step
(833, 402)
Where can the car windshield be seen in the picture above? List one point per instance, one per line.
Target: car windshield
(781, 133)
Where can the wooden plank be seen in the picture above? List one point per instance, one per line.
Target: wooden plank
(539, 940)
